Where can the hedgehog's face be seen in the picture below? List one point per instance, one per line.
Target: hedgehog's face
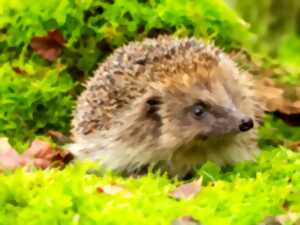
(203, 112)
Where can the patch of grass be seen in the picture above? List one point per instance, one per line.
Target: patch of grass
(242, 195)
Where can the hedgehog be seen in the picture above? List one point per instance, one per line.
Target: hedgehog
(167, 103)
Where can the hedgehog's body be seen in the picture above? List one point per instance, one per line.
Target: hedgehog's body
(174, 103)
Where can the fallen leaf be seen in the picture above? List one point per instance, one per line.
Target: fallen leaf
(44, 156)
(57, 36)
(284, 101)
(18, 70)
(39, 155)
(99, 189)
(60, 158)
(289, 217)
(185, 220)
(187, 191)
(294, 145)
(9, 158)
(4, 144)
(41, 163)
(113, 189)
(48, 47)
(270, 220)
(40, 149)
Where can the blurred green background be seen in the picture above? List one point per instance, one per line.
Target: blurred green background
(276, 24)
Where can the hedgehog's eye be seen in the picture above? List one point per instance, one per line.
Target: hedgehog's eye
(198, 110)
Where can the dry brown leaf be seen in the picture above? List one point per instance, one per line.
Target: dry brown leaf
(18, 70)
(4, 144)
(185, 220)
(270, 220)
(294, 145)
(45, 156)
(40, 155)
(48, 47)
(39, 149)
(289, 217)
(113, 189)
(9, 158)
(61, 158)
(285, 101)
(187, 191)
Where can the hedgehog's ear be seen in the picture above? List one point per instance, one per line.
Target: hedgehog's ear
(152, 106)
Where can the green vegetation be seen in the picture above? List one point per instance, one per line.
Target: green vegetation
(37, 95)
(31, 104)
(243, 195)
(277, 30)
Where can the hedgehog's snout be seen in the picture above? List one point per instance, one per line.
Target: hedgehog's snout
(246, 124)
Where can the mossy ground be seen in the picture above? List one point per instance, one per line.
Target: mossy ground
(242, 195)
(37, 96)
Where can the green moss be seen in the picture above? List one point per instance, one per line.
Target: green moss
(241, 195)
(29, 105)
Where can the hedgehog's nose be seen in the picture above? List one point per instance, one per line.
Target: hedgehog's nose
(246, 124)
